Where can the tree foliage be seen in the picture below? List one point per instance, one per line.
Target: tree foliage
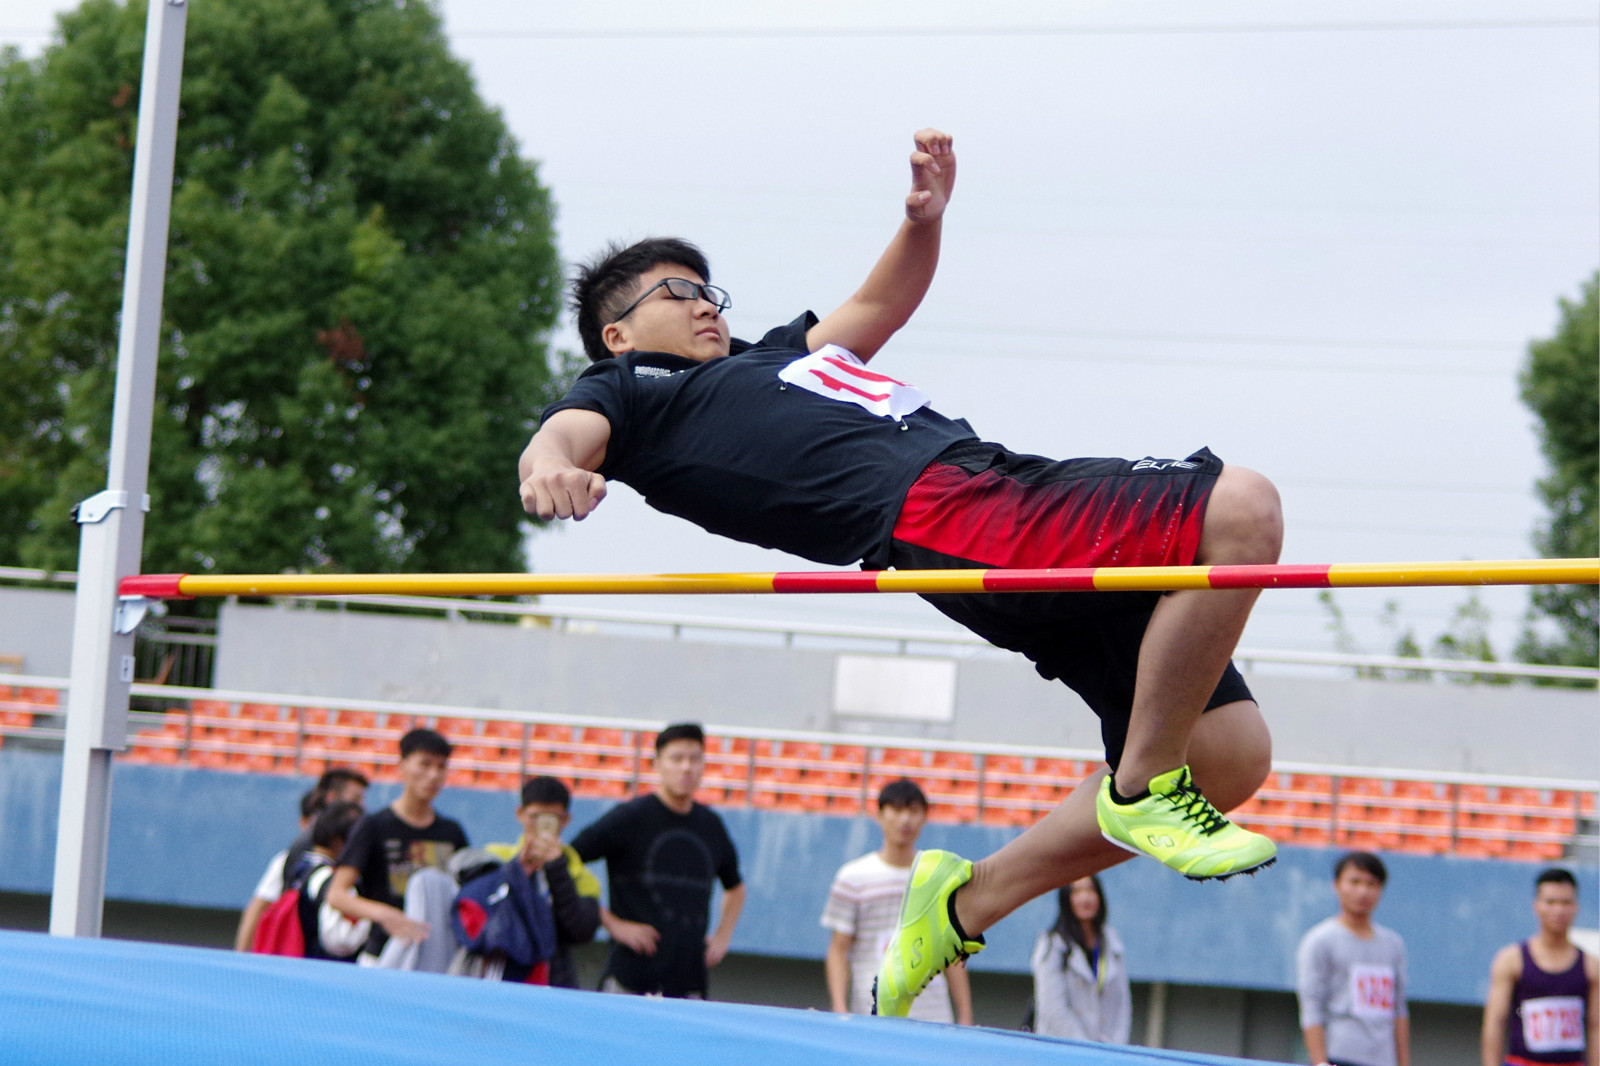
(361, 279)
(1561, 385)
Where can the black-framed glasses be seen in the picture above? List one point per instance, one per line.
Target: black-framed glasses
(683, 289)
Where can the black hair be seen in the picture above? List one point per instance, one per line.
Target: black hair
(680, 731)
(602, 287)
(1555, 875)
(1070, 930)
(425, 740)
(311, 801)
(1364, 861)
(903, 792)
(546, 789)
(334, 824)
(334, 776)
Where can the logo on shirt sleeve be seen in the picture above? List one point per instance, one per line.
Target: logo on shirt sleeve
(832, 372)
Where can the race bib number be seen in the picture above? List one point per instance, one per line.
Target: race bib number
(1553, 1023)
(837, 374)
(1372, 991)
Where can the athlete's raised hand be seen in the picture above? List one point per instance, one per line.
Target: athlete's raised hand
(557, 467)
(562, 491)
(933, 175)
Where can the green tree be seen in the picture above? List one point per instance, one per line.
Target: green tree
(1561, 385)
(361, 281)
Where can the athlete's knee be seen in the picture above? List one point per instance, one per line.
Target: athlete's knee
(1244, 519)
(1230, 753)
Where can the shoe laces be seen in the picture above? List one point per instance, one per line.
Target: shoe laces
(958, 955)
(1196, 808)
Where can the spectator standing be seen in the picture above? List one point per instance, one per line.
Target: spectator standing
(270, 887)
(329, 934)
(664, 854)
(387, 848)
(573, 891)
(338, 784)
(863, 910)
(1080, 981)
(1352, 976)
(1544, 993)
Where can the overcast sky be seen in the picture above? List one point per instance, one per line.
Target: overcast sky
(1316, 237)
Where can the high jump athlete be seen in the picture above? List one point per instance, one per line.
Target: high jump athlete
(791, 442)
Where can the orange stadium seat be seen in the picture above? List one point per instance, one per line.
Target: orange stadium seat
(211, 709)
(1059, 772)
(260, 712)
(1305, 835)
(908, 760)
(456, 730)
(851, 756)
(510, 733)
(552, 733)
(1019, 816)
(806, 751)
(1482, 847)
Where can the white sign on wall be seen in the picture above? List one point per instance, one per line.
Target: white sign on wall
(882, 686)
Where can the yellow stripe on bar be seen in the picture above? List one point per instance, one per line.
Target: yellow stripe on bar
(1483, 572)
(1147, 578)
(466, 584)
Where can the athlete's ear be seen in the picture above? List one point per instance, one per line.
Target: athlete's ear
(615, 338)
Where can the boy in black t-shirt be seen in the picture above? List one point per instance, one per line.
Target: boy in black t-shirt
(388, 846)
(664, 855)
(792, 443)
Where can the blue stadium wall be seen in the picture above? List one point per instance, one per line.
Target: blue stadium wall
(201, 838)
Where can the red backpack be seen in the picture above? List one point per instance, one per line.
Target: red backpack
(279, 931)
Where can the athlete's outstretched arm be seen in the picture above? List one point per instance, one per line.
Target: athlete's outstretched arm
(558, 466)
(897, 284)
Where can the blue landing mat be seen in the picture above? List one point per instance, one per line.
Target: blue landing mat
(65, 1001)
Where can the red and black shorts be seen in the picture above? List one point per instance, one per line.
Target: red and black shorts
(978, 505)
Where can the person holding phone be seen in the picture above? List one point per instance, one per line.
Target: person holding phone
(573, 891)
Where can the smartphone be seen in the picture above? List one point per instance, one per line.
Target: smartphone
(547, 826)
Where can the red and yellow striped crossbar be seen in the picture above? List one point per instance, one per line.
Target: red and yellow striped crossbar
(1105, 578)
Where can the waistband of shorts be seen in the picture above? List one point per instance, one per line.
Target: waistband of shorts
(1518, 1060)
(968, 452)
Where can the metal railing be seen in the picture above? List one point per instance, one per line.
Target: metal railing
(830, 773)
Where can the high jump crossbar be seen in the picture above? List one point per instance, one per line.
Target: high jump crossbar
(1090, 579)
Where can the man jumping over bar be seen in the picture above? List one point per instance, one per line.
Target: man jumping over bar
(790, 442)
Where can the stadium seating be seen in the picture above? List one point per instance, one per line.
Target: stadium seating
(1379, 813)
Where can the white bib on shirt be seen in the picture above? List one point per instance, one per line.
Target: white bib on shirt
(837, 374)
(1372, 991)
(1553, 1023)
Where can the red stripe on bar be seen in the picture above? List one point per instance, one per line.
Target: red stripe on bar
(826, 581)
(1263, 576)
(1064, 579)
(155, 586)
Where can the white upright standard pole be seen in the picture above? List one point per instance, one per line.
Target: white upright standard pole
(112, 522)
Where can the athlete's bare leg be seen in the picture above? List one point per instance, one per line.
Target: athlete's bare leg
(1192, 634)
(1230, 754)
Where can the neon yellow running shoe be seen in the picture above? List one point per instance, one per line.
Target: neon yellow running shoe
(926, 940)
(1179, 827)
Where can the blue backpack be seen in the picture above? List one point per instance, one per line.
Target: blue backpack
(504, 913)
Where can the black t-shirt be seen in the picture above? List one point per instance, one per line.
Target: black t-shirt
(387, 850)
(661, 866)
(299, 847)
(733, 449)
